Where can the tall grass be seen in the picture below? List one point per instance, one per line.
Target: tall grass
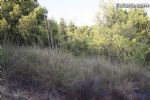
(91, 78)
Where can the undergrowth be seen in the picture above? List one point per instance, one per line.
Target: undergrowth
(78, 78)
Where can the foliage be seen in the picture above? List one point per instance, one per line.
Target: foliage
(23, 18)
(3, 30)
(108, 60)
(45, 70)
(44, 67)
(118, 34)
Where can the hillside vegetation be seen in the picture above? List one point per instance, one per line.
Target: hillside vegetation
(59, 74)
(43, 59)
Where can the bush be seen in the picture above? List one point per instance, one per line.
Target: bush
(46, 69)
(50, 68)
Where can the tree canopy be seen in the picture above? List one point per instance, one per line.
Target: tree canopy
(118, 34)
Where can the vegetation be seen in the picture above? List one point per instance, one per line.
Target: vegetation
(46, 70)
(119, 34)
(109, 60)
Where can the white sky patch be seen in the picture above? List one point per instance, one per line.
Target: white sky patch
(81, 12)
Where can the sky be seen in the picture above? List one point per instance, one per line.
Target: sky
(81, 12)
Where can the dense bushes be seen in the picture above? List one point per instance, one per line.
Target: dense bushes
(121, 35)
(46, 69)
(100, 62)
(49, 67)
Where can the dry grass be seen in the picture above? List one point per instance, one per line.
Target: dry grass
(45, 70)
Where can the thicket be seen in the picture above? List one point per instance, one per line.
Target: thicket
(118, 34)
(109, 60)
(51, 74)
